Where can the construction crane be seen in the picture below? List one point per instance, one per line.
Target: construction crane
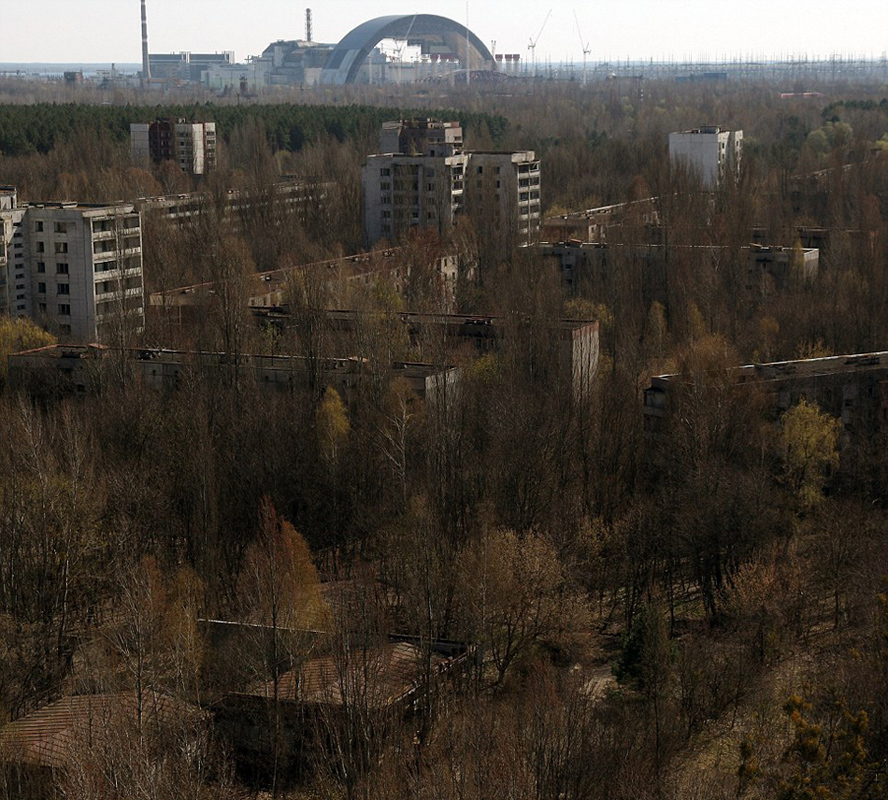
(399, 49)
(533, 43)
(586, 48)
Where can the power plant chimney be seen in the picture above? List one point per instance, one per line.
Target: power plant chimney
(307, 24)
(146, 67)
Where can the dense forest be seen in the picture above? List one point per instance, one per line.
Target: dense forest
(697, 612)
(38, 128)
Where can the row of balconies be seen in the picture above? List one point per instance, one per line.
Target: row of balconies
(115, 271)
(110, 296)
(112, 254)
(105, 297)
(102, 235)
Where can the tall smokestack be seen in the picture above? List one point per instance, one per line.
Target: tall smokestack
(307, 24)
(146, 67)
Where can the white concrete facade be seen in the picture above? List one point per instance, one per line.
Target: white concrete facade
(712, 153)
(76, 270)
(14, 299)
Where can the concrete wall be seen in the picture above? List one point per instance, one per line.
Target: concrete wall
(402, 191)
(64, 274)
(710, 152)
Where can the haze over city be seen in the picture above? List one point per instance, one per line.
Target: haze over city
(99, 31)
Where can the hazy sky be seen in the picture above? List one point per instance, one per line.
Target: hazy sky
(108, 30)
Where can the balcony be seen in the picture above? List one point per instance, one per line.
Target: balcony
(99, 236)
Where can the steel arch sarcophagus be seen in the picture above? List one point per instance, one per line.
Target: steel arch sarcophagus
(345, 61)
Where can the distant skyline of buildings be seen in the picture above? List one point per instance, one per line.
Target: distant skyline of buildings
(640, 31)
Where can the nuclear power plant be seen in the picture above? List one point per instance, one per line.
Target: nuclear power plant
(422, 47)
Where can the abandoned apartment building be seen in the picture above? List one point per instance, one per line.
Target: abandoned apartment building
(81, 369)
(851, 387)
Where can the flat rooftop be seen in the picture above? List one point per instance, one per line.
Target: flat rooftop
(705, 129)
(461, 320)
(61, 205)
(802, 368)
(54, 352)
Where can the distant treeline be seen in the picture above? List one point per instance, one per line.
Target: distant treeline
(37, 128)
(830, 112)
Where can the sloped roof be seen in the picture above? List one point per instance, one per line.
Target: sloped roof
(46, 737)
(379, 675)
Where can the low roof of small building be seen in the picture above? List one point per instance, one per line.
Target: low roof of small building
(381, 675)
(47, 737)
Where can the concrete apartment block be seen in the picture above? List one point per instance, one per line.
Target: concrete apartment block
(191, 145)
(423, 178)
(75, 269)
(711, 152)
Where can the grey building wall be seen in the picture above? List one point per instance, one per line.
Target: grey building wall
(403, 191)
(76, 270)
(711, 152)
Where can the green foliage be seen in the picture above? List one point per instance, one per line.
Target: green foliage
(17, 335)
(829, 136)
(40, 127)
(579, 308)
(484, 368)
(830, 112)
(809, 439)
(595, 139)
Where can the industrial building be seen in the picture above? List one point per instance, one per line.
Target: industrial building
(190, 145)
(187, 67)
(448, 41)
(75, 269)
(301, 61)
(422, 177)
(439, 48)
(713, 154)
